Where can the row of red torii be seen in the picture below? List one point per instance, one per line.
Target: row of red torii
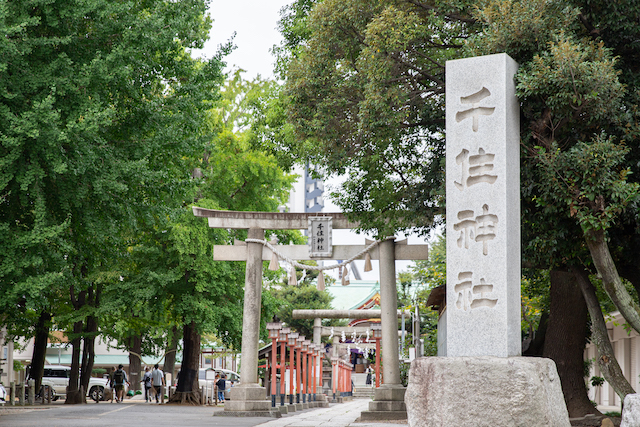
(248, 398)
(307, 364)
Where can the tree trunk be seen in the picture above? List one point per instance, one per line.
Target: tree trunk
(170, 354)
(73, 393)
(536, 345)
(39, 348)
(188, 391)
(597, 243)
(607, 361)
(89, 339)
(88, 352)
(565, 340)
(135, 363)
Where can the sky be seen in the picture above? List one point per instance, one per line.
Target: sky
(255, 24)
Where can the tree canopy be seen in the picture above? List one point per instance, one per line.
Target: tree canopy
(95, 100)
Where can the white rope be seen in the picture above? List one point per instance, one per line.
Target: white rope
(314, 267)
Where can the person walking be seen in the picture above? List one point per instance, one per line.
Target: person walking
(112, 383)
(148, 381)
(157, 377)
(120, 379)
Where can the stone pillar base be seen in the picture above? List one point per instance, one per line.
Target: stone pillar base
(485, 391)
(321, 401)
(631, 411)
(388, 404)
(248, 401)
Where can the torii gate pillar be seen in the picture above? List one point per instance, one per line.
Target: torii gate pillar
(248, 397)
(388, 400)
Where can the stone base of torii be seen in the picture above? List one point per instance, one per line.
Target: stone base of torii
(248, 399)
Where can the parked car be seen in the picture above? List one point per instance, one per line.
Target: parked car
(57, 378)
(206, 377)
(3, 394)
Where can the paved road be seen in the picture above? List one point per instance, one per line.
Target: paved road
(139, 413)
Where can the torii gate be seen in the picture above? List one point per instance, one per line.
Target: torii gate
(249, 398)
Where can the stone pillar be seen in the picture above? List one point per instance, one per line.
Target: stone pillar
(317, 340)
(389, 317)
(388, 400)
(248, 398)
(32, 392)
(317, 331)
(483, 208)
(21, 394)
(483, 379)
(251, 309)
(334, 348)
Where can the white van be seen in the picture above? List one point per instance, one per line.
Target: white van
(57, 377)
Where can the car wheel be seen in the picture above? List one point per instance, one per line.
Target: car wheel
(96, 393)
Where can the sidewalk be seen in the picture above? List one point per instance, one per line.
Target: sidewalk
(336, 415)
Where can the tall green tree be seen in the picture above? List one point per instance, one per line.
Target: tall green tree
(231, 175)
(364, 97)
(96, 97)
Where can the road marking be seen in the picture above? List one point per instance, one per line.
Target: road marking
(115, 410)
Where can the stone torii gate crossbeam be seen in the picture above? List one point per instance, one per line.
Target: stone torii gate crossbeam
(248, 398)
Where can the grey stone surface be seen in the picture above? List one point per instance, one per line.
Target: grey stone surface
(249, 392)
(246, 405)
(248, 414)
(383, 415)
(485, 392)
(482, 316)
(248, 400)
(342, 415)
(631, 411)
(390, 392)
(389, 316)
(387, 405)
(251, 309)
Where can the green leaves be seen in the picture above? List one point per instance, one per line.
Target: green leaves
(364, 97)
(590, 179)
(100, 105)
(521, 28)
(578, 81)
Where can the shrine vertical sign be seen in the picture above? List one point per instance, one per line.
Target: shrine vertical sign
(483, 208)
(320, 235)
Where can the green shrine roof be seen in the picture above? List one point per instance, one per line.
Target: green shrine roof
(354, 295)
